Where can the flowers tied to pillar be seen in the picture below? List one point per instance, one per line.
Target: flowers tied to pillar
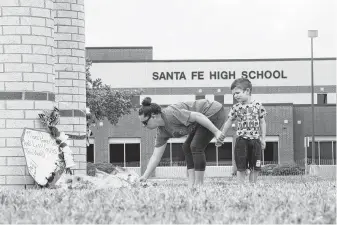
(50, 120)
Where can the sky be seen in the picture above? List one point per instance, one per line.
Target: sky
(214, 29)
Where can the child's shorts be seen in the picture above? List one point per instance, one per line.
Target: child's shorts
(248, 154)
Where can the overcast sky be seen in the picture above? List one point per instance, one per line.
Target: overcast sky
(214, 29)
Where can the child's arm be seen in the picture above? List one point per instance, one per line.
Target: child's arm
(224, 130)
(263, 128)
(226, 126)
(262, 114)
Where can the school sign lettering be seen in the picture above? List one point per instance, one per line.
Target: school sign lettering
(218, 75)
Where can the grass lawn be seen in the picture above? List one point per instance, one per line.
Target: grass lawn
(308, 200)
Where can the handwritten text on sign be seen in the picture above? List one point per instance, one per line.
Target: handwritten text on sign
(40, 150)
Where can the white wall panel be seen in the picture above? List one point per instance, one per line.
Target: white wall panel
(124, 140)
(209, 97)
(228, 99)
(295, 98)
(168, 99)
(331, 98)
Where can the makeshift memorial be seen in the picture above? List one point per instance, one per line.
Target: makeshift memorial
(48, 154)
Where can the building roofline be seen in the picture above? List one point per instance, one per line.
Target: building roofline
(215, 60)
(316, 105)
(121, 47)
(277, 104)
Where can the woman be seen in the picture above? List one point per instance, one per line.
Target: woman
(200, 120)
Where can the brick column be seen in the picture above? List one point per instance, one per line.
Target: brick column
(70, 73)
(26, 80)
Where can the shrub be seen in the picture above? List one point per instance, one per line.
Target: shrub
(282, 170)
(267, 169)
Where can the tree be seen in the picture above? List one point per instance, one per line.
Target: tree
(106, 102)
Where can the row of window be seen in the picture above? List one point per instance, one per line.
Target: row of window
(215, 156)
(128, 154)
(298, 98)
(325, 153)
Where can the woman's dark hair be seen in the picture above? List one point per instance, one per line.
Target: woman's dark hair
(148, 108)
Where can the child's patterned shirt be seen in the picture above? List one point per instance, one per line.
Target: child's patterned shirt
(248, 118)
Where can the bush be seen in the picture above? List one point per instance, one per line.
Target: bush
(267, 169)
(282, 170)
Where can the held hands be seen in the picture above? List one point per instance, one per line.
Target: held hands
(220, 137)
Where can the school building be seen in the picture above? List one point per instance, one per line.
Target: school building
(283, 85)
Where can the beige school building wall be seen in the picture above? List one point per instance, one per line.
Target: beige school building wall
(282, 85)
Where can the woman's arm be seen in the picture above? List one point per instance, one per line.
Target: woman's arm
(205, 122)
(154, 161)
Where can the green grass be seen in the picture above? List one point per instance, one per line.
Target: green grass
(308, 200)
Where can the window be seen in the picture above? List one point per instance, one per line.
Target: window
(211, 154)
(132, 155)
(215, 156)
(322, 99)
(325, 151)
(219, 98)
(173, 154)
(225, 154)
(219, 156)
(197, 97)
(91, 151)
(124, 152)
(117, 154)
(270, 154)
(178, 156)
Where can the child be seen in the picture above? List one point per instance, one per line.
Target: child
(251, 129)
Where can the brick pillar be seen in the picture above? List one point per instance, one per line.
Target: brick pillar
(26, 80)
(70, 73)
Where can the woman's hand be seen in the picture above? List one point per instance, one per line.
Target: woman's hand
(142, 179)
(219, 136)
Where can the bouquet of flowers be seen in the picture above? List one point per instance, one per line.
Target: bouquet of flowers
(50, 120)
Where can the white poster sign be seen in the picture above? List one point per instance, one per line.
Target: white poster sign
(42, 156)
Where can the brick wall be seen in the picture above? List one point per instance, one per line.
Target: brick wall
(291, 134)
(27, 84)
(128, 126)
(27, 79)
(276, 126)
(325, 125)
(70, 71)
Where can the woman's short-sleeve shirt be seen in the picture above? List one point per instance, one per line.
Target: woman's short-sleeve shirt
(176, 118)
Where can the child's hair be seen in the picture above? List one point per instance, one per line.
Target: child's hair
(148, 108)
(242, 83)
